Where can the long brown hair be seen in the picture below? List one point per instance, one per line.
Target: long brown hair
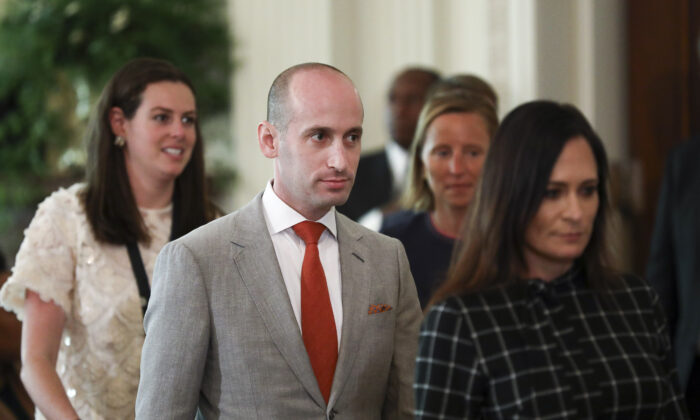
(418, 195)
(109, 202)
(512, 186)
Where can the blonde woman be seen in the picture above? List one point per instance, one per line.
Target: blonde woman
(452, 137)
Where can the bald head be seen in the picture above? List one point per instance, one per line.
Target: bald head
(313, 133)
(279, 112)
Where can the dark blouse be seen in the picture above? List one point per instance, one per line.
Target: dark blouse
(548, 351)
(428, 250)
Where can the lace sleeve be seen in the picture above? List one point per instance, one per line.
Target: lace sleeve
(46, 261)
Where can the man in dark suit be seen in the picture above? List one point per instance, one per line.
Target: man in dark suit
(381, 175)
(674, 263)
(286, 309)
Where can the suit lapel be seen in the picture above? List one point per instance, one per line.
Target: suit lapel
(355, 276)
(255, 258)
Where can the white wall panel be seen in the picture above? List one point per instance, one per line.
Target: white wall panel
(571, 51)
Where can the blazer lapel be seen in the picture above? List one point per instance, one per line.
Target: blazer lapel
(355, 275)
(255, 258)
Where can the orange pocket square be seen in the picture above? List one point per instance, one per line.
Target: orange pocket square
(376, 309)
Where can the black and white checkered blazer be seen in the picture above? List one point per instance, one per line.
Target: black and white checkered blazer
(554, 350)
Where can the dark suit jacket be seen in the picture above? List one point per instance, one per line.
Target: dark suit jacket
(674, 262)
(372, 187)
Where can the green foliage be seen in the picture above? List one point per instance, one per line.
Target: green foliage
(56, 56)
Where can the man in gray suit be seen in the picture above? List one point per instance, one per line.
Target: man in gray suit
(249, 321)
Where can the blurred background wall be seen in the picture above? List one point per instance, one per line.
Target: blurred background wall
(630, 66)
(571, 51)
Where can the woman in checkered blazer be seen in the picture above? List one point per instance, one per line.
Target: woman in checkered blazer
(532, 321)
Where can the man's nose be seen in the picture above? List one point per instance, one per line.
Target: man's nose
(400, 106)
(337, 158)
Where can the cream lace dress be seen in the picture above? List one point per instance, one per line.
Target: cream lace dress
(100, 352)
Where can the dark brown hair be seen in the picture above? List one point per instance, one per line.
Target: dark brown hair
(418, 195)
(512, 185)
(109, 203)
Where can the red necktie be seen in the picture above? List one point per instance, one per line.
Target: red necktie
(317, 321)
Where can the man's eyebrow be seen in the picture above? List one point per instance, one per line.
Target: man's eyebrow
(325, 129)
(315, 129)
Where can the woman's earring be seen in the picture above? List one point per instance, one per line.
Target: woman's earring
(119, 141)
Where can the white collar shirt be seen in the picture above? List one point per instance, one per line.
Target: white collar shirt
(398, 163)
(290, 248)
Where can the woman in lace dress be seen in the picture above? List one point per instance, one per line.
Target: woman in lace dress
(532, 321)
(74, 283)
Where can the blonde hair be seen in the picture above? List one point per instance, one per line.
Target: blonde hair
(467, 82)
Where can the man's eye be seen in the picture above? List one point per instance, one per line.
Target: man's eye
(318, 136)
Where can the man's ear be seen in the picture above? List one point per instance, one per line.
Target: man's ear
(117, 121)
(268, 139)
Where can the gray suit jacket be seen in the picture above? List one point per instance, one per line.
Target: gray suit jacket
(221, 336)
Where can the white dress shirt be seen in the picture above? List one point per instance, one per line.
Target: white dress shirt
(397, 157)
(290, 249)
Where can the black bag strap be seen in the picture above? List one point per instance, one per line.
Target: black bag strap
(140, 273)
(137, 263)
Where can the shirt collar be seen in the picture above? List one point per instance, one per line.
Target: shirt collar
(398, 161)
(280, 216)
